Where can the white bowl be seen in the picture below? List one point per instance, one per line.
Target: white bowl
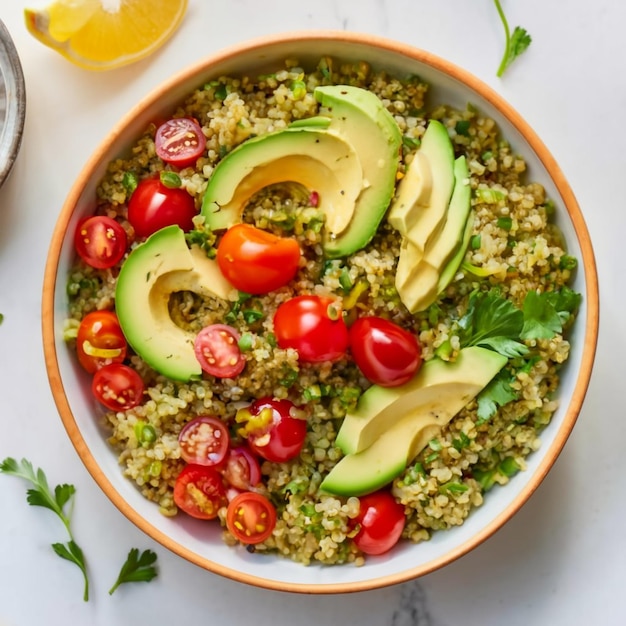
(187, 537)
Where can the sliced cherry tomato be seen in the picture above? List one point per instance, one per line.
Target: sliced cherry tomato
(199, 491)
(250, 517)
(100, 340)
(100, 241)
(180, 141)
(217, 350)
(204, 441)
(154, 206)
(386, 354)
(312, 325)
(118, 387)
(273, 429)
(381, 520)
(242, 469)
(256, 261)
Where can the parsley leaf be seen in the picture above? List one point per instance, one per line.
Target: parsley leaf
(541, 320)
(546, 313)
(496, 394)
(492, 321)
(137, 568)
(41, 495)
(515, 43)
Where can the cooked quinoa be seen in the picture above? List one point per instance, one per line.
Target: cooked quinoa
(516, 248)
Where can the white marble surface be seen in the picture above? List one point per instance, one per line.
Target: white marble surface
(560, 561)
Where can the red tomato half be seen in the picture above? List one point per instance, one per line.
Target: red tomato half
(100, 340)
(217, 350)
(100, 241)
(382, 521)
(251, 517)
(313, 326)
(199, 491)
(242, 469)
(272, 430)
(154, 206)
(386, 354)
(204, 441)
(180, 141)
(118, 387)
(256, 261)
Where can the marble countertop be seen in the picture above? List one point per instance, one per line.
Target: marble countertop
(560, 561)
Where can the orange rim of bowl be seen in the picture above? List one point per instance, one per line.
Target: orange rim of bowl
(590, 334)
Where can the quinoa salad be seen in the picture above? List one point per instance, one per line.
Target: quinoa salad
(506, 294)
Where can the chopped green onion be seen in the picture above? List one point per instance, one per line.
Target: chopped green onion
(220, 92)
(453, 487)
(412, 143)
(505, 222)
(298, 88)
(487, 156)
(246, 342)
(568, 262)
(435, 444)
(170, 179)
(344, 279)
(462, 127)
(489, 195)
(509, 466)
(475, 242)
(444, 350)
(431, 457)
(145, 433)
(312, 393)
(461, 442)
(271, 339)
(252, 315)
(129, 182)
(485, 478)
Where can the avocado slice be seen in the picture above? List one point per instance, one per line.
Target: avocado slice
(413, 194)
(418, 273)
(155, 269)
(446, 276)
(318, 160)
(415, 219)
(360, 117)
(376, 466)
(440, 389)
(392, 425)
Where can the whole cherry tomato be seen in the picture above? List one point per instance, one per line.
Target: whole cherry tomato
(255, 261)
(180, 141)
(312, 325)
(100, 241)
(274, 429)
(154, 206)
(381, 520)
(386, 354)
(100, 340)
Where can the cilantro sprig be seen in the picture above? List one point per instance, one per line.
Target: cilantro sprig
(492, 321)
(515, 43)
(137, 568)
(56, 501)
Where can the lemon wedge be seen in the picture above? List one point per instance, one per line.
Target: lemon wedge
(105, 34)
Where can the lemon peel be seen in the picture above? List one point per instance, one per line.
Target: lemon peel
(105, 34)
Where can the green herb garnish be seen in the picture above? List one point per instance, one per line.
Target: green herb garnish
(494, 322)
(171, 180)
(55, 501)
(137, 568)
(515, 44)
(129, 182)
(496, 394)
